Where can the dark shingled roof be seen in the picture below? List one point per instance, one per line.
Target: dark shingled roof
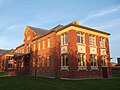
(5, 51)
(2, 51)
(57, 27)
(38, 30)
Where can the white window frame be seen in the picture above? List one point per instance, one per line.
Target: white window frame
(65, 60)
(92, 40)
(103, 60)
(64, 39)
(82, 60)
(94, 67)
(34, 62)
(34, 46)
(81, 66)
(48, 42)
(43, 44)
(39, 45)
(81, 38)
(93, 60)
(102, 42)
(48, 61)
(38, 62)
(28, 48)
(43, 62)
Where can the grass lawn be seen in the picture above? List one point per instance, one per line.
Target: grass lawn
(39, 83)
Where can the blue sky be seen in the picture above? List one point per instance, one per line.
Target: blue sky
(15, 15)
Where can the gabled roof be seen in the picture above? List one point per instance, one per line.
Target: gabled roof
(61, 27)
(38, 30)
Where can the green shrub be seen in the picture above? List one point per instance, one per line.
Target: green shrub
(115, 74)
(2, 73)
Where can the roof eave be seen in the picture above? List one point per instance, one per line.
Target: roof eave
(80, 26)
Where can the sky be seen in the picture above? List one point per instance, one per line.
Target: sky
(15, 15)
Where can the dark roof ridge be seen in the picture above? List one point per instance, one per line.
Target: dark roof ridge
(81, 26)
(35, 27)
(74, 23)
(57, 27)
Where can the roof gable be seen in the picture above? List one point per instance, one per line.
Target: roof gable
(76, 24)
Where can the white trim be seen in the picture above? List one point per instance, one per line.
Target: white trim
(64, 68)
(82, 68)
(94, 67)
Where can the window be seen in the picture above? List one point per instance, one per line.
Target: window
(33, 62)
(22, 64)
(43, 62)
(39, 46)
(93, 60)
(64, 60)
(10, 62)
(9, 58)
(23, 50)
(92, 40)
(48, 61)
(28, 49)
(80, 38)
(64, 39)
(81, 60)
(102, 42)
(103, 61)
(48, 42)
(38, 62)
(43, 44)
(9, 66)
(34, 46)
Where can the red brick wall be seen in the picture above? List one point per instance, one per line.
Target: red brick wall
(73, 56)
(55, 55)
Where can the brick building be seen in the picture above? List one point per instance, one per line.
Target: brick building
(6, 60)
(70, 51)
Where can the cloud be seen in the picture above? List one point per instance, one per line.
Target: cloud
(11, 27)
(109, 25)
(101, 13)
(14, 27)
